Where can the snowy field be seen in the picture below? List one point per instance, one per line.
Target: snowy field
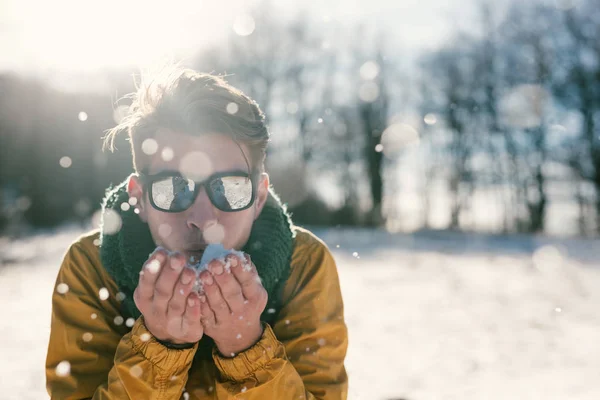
(431, 315)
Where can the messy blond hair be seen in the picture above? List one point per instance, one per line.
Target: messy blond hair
(193, 103)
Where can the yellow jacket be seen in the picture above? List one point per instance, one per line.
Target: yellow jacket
(301, 356)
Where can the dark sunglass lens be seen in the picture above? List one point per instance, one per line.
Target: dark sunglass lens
(173, 193)
(231, 193)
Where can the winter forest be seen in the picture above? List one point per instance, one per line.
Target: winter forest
(496, 130)
(456, 181)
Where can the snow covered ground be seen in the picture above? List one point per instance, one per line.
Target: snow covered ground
(431, 315)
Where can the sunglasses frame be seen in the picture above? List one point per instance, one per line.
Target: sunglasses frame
(147, 181)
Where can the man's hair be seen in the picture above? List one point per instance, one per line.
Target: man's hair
(192, 103)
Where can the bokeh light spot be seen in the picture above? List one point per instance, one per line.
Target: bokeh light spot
(232, 108)
(244, 25)
(111, 222)
(103, 293)
(213, 232)
(369, 70)
(164, 230)
(196, 166)
(136, 371)
(368, 92)
(167, 154)
(397, 137)
(65, 162)
(149, 146)
(430, 119)
(62, 288)
(63, 369)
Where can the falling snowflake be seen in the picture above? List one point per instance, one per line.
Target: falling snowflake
(167, 155)
(87, 336)
(65, 162)
(149, 146)
(368, 92)
(103, 293)
(130, 322)
(430, 119)
(118, 320)
(244, 25)
(369, 70)
(63, 369)
(232, 108)
(62, 288)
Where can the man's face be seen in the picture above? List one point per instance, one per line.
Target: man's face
(190, 231)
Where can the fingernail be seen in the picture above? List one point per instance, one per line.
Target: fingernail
(176, 263)
(233, 260)
(217, 269)
(185, 279)
(203, 299)
(208, 280)
(191, 302)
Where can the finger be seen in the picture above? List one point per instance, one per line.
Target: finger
(183, 287)
(191, 324)
(247, 276)
(163, 290)
(228, 284)
(149, 275)
(207, 316)
(214, 298)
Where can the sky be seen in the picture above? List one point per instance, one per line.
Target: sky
(81, 36)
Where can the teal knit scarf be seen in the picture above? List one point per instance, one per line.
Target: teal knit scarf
(123, 253)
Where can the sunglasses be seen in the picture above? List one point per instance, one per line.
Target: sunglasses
(169, 191)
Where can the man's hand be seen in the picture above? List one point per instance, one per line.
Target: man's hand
(164, 297)
(233, 302)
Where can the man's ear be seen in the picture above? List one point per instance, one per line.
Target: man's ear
(135, 189)
(262, 193)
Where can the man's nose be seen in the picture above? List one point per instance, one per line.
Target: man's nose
(201, 212)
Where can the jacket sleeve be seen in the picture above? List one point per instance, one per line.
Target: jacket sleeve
(302, 355)
(91, 354)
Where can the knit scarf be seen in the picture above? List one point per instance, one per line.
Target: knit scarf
(124, 252)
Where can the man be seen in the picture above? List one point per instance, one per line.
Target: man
(127, 320)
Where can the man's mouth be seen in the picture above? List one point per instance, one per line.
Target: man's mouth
(195, 255)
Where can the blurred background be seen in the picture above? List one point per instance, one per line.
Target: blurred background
(452, 147)
(480, 117)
